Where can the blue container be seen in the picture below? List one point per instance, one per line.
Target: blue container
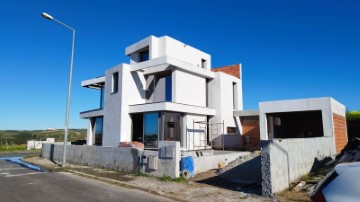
(187, 163)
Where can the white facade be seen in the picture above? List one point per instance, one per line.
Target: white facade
(166, 79)
(33, 144)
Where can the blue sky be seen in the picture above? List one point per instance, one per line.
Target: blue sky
(288, 49)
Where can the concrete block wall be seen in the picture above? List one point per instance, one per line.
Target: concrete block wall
(117, 158)
(286, 160)
(167, 161)
(340, 131)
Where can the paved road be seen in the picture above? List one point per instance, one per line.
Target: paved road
(20, 183)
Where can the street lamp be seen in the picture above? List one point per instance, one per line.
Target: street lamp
(49, 17)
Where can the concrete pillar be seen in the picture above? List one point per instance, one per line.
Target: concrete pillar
(90, 132)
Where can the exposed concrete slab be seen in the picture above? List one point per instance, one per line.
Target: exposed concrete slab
(246, 113)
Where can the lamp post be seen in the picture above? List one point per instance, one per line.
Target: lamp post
(49, 17)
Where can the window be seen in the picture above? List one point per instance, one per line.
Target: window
(102, 97)
(207, 92)
(168, 89)
(151, 130)
(203, 63)
(231, 130)
(98, 130)
(234, 95)
(115, 82)
(144, 55)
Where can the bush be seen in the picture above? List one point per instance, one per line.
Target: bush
(353, 116)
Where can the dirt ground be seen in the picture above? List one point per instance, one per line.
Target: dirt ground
(289, 196)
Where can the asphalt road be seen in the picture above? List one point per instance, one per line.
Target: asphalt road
(20, 183)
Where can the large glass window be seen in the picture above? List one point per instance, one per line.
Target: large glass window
(151, 128)
(98, 130)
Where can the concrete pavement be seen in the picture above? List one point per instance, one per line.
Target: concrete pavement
(19, 183)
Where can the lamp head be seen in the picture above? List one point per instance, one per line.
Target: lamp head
(46, 16)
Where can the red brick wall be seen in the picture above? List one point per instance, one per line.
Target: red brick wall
(250, 127)
(233, 70)
(340, 131)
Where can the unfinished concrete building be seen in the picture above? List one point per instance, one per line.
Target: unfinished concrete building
(295, 137)
(168, 92)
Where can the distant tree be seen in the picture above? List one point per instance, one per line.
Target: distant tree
(353, 124)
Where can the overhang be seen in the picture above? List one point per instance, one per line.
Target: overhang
(166, 62)
(95, 83)
(92, 113)
(171, 106)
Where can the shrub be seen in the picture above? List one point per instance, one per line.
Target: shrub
(353, 116)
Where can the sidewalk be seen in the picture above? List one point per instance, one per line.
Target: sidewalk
(165, 187)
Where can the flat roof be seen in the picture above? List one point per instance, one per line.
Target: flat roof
(246, 113)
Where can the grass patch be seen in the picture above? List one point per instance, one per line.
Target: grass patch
(12, 147)
(306, 177)
(166, 178)
(140, 174)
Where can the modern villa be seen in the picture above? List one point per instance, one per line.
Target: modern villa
(171, 100)
(168, 92)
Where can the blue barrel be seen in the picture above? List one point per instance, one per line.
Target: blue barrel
(187, 163)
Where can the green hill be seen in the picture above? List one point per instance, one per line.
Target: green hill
(18, 137)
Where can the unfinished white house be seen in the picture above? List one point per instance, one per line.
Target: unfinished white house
(168, 92)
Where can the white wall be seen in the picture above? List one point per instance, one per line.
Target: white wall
(188, 89)
(167, 46)
(132, 88)
(221, 98)
(184, 52)
(33, 144)
(112, 109)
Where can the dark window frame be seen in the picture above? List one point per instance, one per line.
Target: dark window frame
(115, 82)
(144, 55)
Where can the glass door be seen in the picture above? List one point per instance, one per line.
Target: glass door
(151, 130)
